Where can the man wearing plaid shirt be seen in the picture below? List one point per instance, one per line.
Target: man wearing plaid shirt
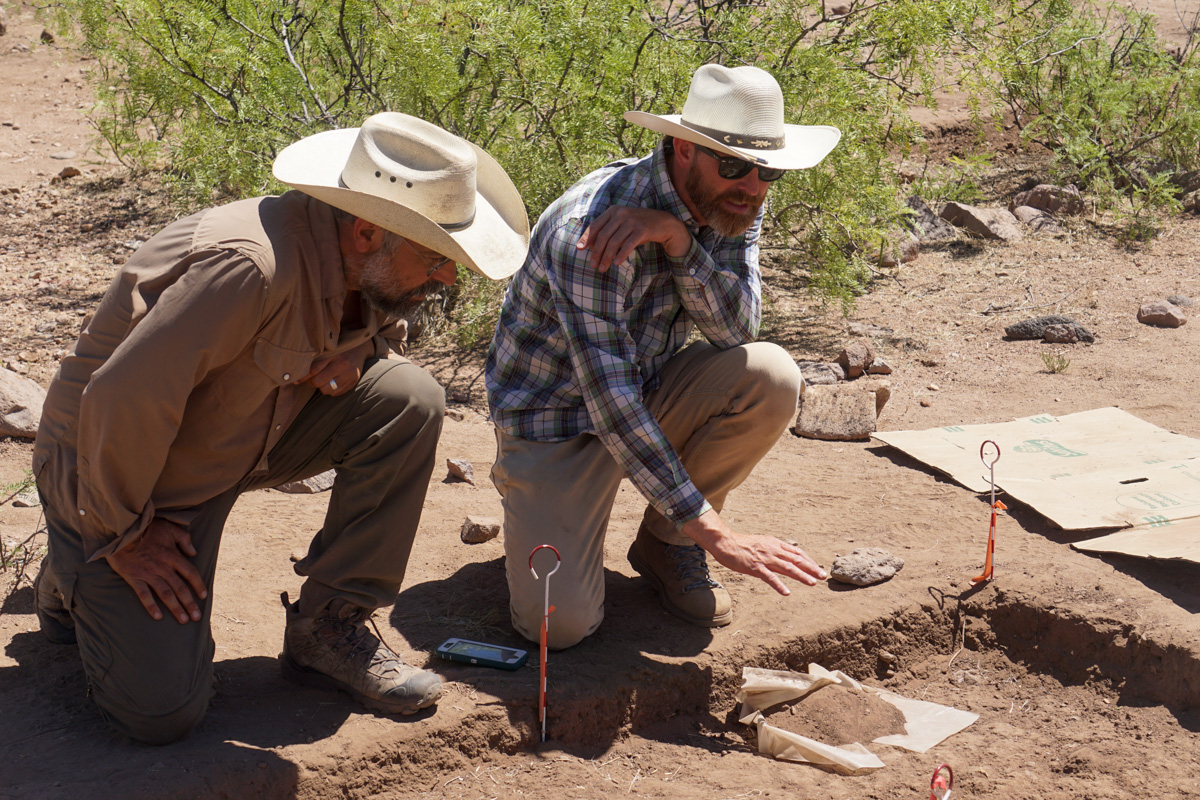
(589, 379)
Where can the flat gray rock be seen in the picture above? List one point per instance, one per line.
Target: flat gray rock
(928, 226)
(20, 405)
(314, 485)
(817, 373)
(1035, 328)
(865, 566)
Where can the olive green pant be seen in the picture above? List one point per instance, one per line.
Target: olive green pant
(153, 679)
(722, 411)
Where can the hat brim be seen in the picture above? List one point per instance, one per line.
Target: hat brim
(807, 145)
(494, 244)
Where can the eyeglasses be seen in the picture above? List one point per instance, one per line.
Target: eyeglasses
(435, 266)
(732, 168)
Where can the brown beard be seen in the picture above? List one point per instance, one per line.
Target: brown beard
(377, 282)
(708, 203)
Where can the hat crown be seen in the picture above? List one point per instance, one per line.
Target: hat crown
(415, 164)
(745, 101)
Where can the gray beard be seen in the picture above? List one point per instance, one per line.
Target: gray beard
(708, 202)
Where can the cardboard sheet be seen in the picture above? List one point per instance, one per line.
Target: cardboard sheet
(1103, 468)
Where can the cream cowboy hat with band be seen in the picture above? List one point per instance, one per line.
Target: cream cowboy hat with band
(738, 111)
(415, 179)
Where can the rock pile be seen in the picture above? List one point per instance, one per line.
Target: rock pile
(834, 410)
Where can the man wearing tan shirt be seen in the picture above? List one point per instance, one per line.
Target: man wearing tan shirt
(245, 347)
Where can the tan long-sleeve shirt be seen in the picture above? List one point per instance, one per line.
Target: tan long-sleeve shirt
(185, 377)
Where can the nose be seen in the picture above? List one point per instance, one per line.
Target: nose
(447, 274)
(750, 183)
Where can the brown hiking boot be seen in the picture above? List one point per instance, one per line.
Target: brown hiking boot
(336, 651)
(52, 614)
(680, 573)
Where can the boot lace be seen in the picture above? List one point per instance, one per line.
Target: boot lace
(690, 562)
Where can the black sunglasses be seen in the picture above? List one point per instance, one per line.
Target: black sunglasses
(731, 167)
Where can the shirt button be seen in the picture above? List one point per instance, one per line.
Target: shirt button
(82, 513)
(287, 376)
(277, 427)
(692, 271)
(670, 512)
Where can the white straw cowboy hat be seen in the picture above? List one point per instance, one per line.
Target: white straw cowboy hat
(738, 111)
(411, 177)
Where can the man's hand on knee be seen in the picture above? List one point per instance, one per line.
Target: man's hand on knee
(157, 565)
(764, 557)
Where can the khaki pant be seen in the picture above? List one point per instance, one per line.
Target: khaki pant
(722, 410)
(153, 679)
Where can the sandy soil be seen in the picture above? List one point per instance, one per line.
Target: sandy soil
(1085, 670)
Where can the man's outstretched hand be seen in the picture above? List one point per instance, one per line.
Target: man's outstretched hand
(763, 557)
(158, 565)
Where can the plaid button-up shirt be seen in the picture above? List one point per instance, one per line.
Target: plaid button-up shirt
(577, 350)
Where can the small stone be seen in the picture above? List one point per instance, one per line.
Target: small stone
(879, 367)
(87, 227)
(70, 172)
(1183, 301)
(477, 530)
(455, 414)
(27, 499)
(1054, 199)
(856, 357)
(460, 469)
(865, 566)
(839, 11)
(64, 155)
(313, 485)
(933, 387)
(46, 36)
(926, 403)
(1060, 334)
(1161, 314)
(460, 397)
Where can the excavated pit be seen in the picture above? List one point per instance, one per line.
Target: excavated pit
(1062, 699)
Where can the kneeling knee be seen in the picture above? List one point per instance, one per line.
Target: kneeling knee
(149, 725)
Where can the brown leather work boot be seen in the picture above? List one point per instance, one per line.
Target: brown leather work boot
(52, 614)
(680, 573)
(335, 650)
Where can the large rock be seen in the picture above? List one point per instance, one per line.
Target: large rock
(1035, 328)
(865, 566)
(314, 485)
(928, 226)
(840, 413)
(1053, 199)
(986, 223)
(20, 405)
(1161, 314)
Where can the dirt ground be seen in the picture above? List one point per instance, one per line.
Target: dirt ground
(1085, 670)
